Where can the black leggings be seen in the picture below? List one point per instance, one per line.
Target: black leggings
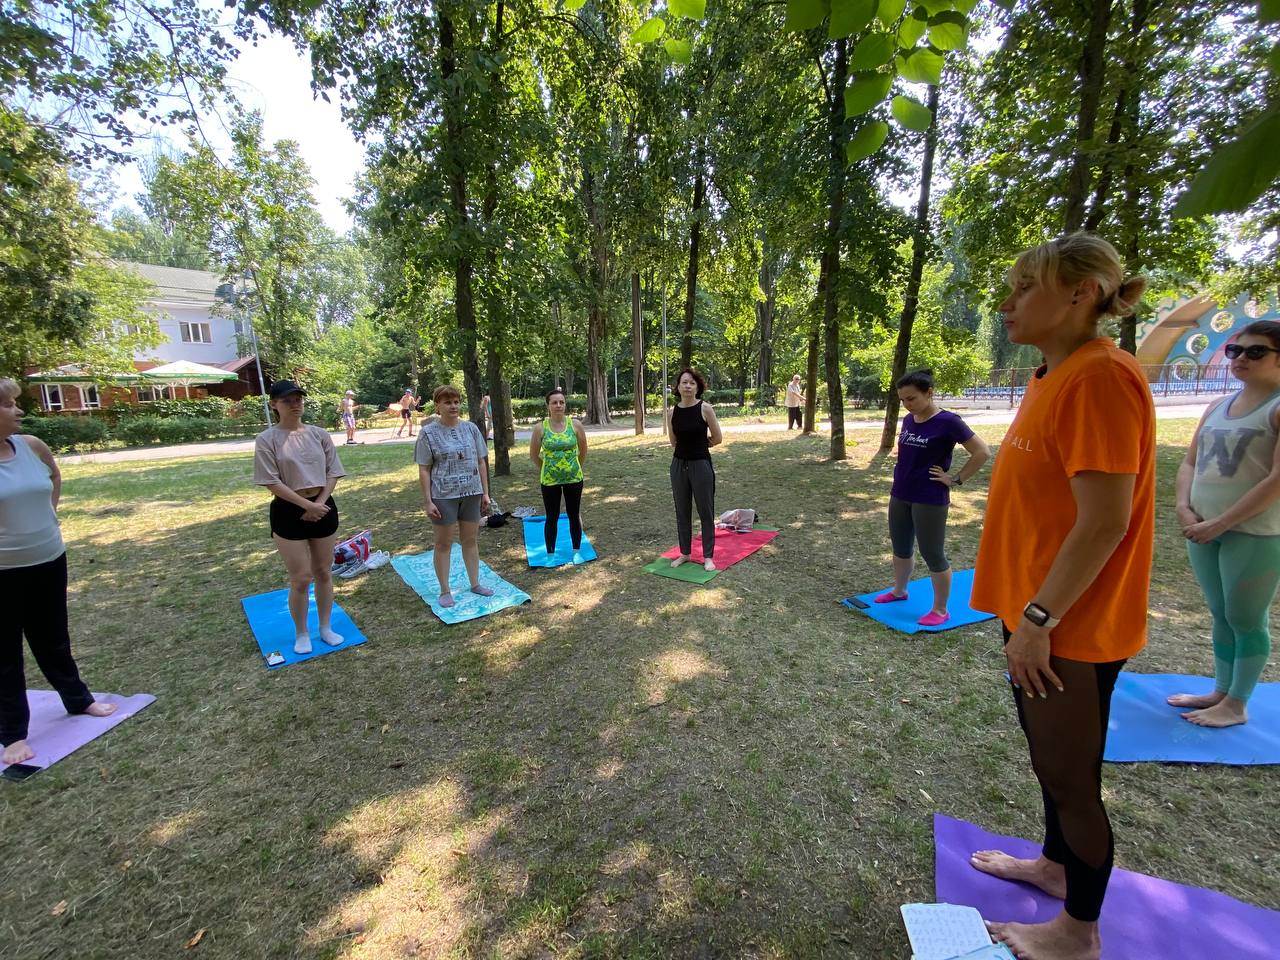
(795, 417)
(572, 506)
(1067, 734)
(35, 603)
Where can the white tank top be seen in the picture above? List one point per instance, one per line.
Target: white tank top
(1234, 456)
(29, 533)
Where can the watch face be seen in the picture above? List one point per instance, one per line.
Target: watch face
(1036, 614)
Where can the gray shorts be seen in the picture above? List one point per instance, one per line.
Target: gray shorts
(466, 509)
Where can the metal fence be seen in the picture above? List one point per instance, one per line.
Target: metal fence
(1166, 380)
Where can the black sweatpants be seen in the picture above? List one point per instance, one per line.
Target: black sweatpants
(572, 507)
(34, 600)
(1067, 734)
(795, 416)
(694, 481)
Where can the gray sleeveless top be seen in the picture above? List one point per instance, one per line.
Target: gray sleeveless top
(1235, 455)
(29, 533)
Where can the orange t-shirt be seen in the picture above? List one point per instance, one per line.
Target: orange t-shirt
(1093, 413)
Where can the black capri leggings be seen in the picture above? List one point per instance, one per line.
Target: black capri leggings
(924, 524)
(572, 506)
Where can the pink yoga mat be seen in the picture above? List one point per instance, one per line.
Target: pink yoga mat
(730, 547)
(53, 734)
(1143, 918)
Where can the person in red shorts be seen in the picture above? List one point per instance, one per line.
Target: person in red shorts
(1065, 563)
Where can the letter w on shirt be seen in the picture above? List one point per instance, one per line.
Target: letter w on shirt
(1214, 448)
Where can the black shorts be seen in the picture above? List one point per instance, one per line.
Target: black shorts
(406, 414)
(287, 522)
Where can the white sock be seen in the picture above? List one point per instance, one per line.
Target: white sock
(302, 643)
(329, 637)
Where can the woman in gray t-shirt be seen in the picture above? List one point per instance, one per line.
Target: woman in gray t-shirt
(453, 468)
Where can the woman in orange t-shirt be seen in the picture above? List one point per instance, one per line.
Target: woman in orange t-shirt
(1065, 562)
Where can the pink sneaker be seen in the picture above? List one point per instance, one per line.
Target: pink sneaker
(932, 619)
(890, 597)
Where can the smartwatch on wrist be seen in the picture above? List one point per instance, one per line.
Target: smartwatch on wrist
(956, 481)
(1040, 616)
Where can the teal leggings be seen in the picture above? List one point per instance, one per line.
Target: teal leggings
(1238, 573)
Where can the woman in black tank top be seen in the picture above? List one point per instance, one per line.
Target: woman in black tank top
(693, 430)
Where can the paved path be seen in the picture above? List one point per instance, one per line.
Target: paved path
(383, 435)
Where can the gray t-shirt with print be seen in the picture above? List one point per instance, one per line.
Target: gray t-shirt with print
(454, 455)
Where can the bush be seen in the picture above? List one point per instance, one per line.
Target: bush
(66, 432)
(210, 408)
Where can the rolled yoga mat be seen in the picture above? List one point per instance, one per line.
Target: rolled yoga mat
(268, 616)
(1143, 918)
(535, 544)
(54, 734)
(901, 615)
(418, 571)
(1144, 727)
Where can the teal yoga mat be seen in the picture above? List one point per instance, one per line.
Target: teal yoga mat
(268, 615)
(418, 571)
(902, 615)
(535, 544)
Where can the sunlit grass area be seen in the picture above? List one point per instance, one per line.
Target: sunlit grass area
(630, 766)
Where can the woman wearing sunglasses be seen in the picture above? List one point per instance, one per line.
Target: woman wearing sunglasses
(1229, 508)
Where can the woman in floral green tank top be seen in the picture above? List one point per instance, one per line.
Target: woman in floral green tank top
(559, 446)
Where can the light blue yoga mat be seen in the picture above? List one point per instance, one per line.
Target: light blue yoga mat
(418, 572)
(535, 544)
(1145, 728)
(903, 614)
(268, 615)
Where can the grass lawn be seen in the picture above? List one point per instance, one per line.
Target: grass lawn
(630, 766)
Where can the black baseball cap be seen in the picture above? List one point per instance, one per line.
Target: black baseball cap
(282, 388)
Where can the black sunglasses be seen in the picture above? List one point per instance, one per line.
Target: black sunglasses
(1254, 352)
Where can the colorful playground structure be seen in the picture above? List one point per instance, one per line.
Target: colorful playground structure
(1179, 347)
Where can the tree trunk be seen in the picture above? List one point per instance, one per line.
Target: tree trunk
(691, 273)
(911, 298)
(597, 379)
(765, 310)
(456, 174)
(1093, 74)
(811, 375)
(831, 255)
(637, 352)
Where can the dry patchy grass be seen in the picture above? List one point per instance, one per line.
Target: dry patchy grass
(633, 767)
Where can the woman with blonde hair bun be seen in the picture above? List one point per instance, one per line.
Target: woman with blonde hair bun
(1065, 563)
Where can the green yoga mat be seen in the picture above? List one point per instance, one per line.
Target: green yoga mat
(688, 571)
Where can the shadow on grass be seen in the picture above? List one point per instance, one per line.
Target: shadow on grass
(630, 766)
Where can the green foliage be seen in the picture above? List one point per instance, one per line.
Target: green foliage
(1238, 173)
(693, 9)
(141, 240)
(866, 93)
(921, 66)
(873, 50)
(65, 432)
(849, 16)
(911, 113)
(652, 29)
(866, 141)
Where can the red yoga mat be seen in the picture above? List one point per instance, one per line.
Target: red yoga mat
(730, 547)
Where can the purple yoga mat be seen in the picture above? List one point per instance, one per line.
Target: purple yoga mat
(53, 734)
(1144, 918)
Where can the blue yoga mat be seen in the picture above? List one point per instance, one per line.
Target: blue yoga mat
(418, 571)
(1145, 728)
(903, 615)
(535, 544)
(268, 615)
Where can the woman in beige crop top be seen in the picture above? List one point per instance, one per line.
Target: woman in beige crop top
(298, 463)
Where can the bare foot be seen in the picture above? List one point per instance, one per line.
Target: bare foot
(97, 709)
(1228, 713)
(446, 600)
(18, 752)
(1045, 874)
(708, 564)
(679, 560)
(480, 591)
(1196, 701)
(1062, 938)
